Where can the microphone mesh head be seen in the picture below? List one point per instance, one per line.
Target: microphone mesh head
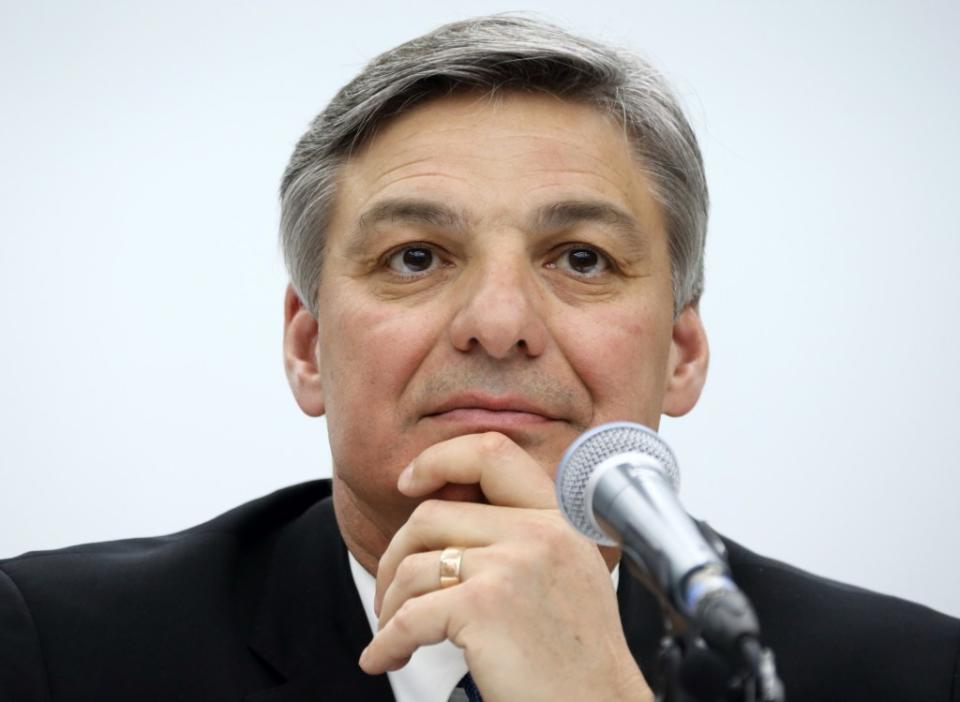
(590, 450)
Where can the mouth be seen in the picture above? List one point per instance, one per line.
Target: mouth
(488, 413)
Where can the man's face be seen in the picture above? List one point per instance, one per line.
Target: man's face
(491, 265)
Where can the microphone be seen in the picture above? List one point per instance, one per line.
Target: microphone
(617, 485)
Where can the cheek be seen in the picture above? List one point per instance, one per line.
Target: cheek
(621, 356)
(369, 351)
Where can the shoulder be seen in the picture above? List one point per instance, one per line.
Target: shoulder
(78, 611)
(144, 561)
(846, 642)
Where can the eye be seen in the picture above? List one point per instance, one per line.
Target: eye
(412, 260)
(584, 261)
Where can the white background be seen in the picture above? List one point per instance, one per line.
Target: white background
(140, 280)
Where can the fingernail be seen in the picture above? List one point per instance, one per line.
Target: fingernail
(405, 481)
(363, 657)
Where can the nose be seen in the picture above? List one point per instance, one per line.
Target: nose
(501, 310)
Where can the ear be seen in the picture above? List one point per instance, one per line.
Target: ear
(301, 354)
(687, 364)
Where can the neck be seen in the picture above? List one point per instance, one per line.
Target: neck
(366, 538)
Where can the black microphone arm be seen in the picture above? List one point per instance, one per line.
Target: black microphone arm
(617, 485)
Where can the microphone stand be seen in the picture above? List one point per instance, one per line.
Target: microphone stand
(690, 671)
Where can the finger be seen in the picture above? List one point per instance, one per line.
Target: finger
(421, 621)
(507, 475)
(436, 524)
(419, 574)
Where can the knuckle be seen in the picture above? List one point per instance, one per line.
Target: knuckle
(404, 618)
(551, 538)
(502, 586)
(556, 533)
(427, 511)
(543, 554)
(512, 560)
(475, 594)
(543, 530)
(486, 596)
(493, 442)
(517, 559)
(406, 573)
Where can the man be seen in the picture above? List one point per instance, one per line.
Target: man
(495, 240)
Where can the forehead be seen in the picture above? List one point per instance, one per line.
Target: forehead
(498, 157)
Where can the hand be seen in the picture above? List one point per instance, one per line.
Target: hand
(535, 611)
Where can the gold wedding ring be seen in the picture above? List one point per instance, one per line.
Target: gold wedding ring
(450, 560)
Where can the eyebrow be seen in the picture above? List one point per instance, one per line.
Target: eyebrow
(567, 214)
(556, 216)
(406, 211)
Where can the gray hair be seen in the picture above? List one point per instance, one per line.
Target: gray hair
(500, 53)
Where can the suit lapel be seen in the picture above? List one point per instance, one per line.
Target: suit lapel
(310, 626)
(642, 620)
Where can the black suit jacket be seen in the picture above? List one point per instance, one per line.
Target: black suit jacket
(259, 605)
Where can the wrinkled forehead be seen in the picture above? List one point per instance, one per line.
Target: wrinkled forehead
(500, 155)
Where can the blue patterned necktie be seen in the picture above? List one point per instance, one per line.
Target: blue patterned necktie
(466, 690)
